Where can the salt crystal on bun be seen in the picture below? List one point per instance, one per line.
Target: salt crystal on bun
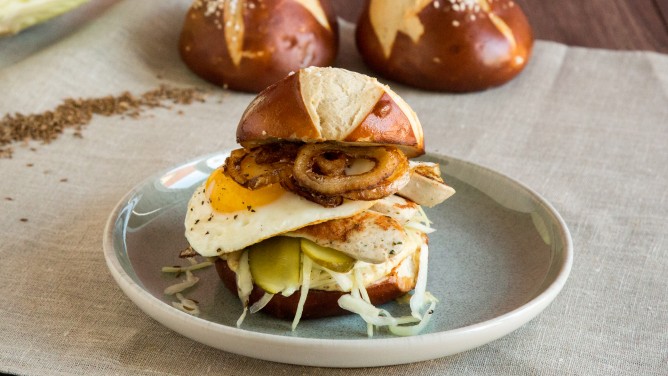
(249, 44)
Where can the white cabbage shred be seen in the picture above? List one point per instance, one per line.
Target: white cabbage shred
(186, 305)
(420, 222)
(264, 300)
(417, 301)
(244, 285)
(190, 281)
(307, 264)
(422, 305)
(181, 269)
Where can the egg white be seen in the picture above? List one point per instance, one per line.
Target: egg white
(212, 233)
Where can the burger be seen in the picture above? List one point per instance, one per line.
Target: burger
(319, 213)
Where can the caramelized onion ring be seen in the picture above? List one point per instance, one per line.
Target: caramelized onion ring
(390, 165)
(291, 185)
(317, 172)
(269, 159)
(331, 163)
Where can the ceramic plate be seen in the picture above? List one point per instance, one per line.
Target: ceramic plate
(500, 255)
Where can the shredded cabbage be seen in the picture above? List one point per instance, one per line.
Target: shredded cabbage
(244, 284)
(418, 299)
(415, 329)
(320, 278)
(370, 313)
(380, 317)
(306, 281)
(16, 15)
(419, 227)
(343, 280)
(186, 305)
(190, 281)
(264, 300)
(358, 302)
(359, 291)
(181, 269)
(420, 222)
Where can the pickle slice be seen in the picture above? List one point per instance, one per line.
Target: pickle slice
(326, 257)
(275, 264)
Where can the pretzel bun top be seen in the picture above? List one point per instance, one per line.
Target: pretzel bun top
(331, 104)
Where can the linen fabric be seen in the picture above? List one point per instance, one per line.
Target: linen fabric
(586, 128)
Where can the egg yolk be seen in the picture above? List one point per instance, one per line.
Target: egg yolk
(228, 196)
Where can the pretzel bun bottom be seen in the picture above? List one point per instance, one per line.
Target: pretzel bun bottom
(318, 303)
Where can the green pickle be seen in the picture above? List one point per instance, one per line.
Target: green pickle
(275, 264)
(326, 257)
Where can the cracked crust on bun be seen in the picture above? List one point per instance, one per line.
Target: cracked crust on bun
(248, 45)
(301, 108)
(452, 46)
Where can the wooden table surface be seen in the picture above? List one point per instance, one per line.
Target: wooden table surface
(612, 24)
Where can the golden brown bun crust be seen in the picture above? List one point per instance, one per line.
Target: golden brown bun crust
(385, 124)
(318, 303)
(298, 108)
(277, 113)
(471, 56)
(279, 37)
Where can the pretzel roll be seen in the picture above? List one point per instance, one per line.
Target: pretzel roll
(331, 104)
(445, 45)
(249, 44)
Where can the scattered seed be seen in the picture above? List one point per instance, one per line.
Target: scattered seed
(76, 113)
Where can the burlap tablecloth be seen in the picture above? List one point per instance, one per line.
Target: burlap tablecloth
(588, 129)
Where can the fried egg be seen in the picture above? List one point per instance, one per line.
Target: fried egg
(223, 216)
